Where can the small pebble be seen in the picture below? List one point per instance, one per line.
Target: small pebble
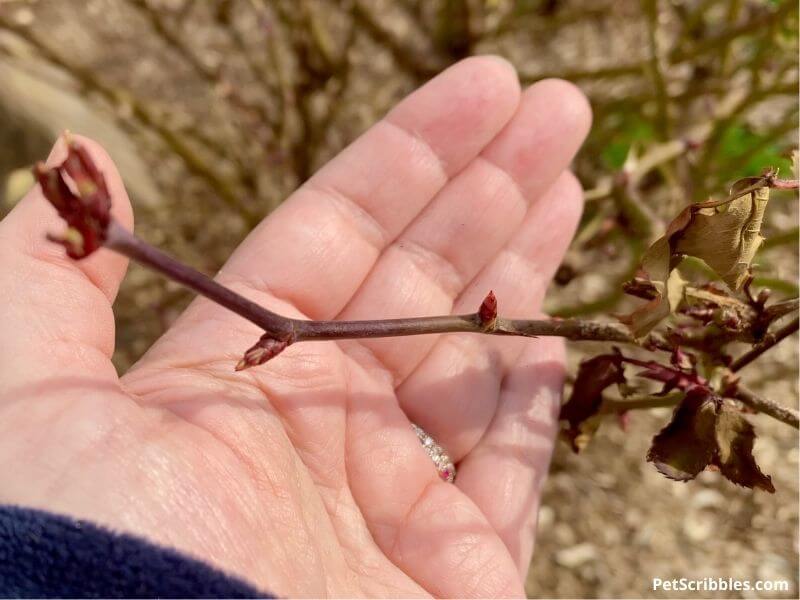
(699, 525)
(576, 556)
(23, 16)
(707, 498)
(547, 517)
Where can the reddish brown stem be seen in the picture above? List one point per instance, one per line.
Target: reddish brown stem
(572, 329)
(762, 405)
(294, 330)
(779, 309)
(122, 241)
(281, 331)
(770, 340)
(786, 184)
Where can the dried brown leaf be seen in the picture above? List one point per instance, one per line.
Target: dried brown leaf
(705, 432)
(594, 376)
(725, 235)
(686, 445)
(735, 436)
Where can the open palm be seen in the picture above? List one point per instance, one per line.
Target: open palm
(303, 475)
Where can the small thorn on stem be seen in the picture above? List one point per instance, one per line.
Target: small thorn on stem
(266, 348)
(624, 420)
(487, 313)
(730, 385)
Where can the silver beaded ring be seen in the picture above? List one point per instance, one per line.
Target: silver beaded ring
(440, 458)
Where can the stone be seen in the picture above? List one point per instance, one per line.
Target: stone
(575, 556)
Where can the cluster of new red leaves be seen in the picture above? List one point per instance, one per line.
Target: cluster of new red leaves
(86, 208)
(705, 431)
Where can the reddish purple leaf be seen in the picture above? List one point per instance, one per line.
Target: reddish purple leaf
(78, 191)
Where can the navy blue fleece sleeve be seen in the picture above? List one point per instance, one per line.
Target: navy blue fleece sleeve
(48, 555)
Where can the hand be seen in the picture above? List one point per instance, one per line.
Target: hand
(303, 475)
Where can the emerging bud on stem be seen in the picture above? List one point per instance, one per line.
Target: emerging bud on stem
(266, 348)
(77, 190)
(763, 296)
(487, 313)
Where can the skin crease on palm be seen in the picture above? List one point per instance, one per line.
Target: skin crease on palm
(303, 475)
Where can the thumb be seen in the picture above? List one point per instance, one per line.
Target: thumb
(56, 315)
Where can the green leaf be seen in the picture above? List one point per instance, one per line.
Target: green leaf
(634, 130)
(749, 151)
